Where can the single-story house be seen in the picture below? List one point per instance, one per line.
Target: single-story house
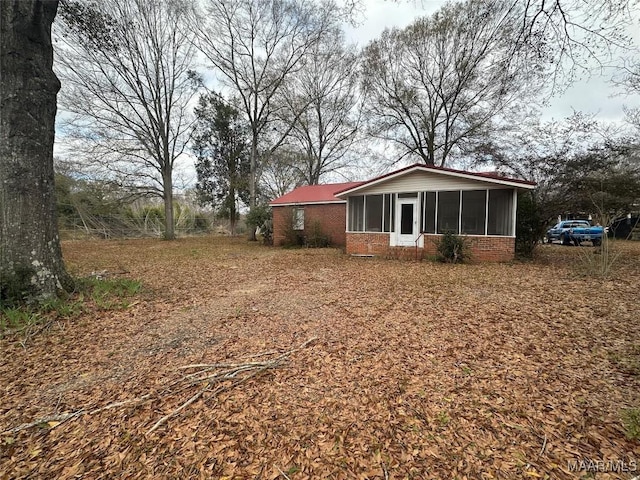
(407, 210)
(308, 205)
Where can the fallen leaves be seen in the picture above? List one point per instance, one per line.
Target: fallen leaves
(419, 370)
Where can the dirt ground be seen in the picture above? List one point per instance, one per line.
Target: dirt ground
(417, 369)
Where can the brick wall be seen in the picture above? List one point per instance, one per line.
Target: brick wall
(368, 243)
(483, 249)
(332, 218)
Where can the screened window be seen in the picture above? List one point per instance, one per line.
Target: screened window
(500, 220)
(474, 207)
(298, 218)
(448, 212)
(356, 213)
(429, 212)
(373, 210)
(389, 213)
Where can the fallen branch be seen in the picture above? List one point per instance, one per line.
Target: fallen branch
(57, 420)
(177, 410)
(282, 473)
(217, 378)
(544, 446)
(235, 373)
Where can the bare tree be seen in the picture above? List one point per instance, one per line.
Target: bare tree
(281, 174)
(255, 45)
(324, 108)
(573, 162)
(571, 36)
(31, 266)
(127, 86)
(630, 82)
(437, 85)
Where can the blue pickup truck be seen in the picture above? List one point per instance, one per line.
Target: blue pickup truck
(575, 232)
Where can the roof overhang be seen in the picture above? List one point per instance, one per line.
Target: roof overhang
(519, 184)
(298, 204)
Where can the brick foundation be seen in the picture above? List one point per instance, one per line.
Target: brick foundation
(483, 249)
(331, 217)
(368, 243)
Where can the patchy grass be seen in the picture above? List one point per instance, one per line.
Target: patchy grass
(23, 322)
(631, 420)
(418, 370)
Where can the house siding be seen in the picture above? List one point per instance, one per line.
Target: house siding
(331, 217)
(482, 248)
(426, 181)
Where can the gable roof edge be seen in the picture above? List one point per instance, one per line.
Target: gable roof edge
(515, 183)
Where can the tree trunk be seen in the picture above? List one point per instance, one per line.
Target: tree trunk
(31, 266)
(252, 182)
(169, 227)
(232, 210)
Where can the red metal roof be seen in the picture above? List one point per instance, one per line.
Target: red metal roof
(422, 166)
(314, 194)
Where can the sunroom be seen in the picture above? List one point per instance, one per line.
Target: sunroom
(413, 206)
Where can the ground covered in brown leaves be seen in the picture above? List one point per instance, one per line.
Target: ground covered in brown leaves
(417, 370)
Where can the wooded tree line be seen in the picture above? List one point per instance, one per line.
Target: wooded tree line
(281, 99)
(268, 94)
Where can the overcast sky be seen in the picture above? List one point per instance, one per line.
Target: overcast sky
(595, 95)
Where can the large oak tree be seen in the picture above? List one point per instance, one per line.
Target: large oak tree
(31, 266)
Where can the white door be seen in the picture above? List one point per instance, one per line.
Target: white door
(407, 222)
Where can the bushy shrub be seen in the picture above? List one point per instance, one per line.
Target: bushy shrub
(316, 237)
(452, 248)
(266, 230)
(260, 217)
(292, 237)
(530, 227)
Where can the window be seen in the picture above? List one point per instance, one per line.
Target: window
(389, 213)
(500, 220)
(298, 218)
(429, 212)
(373, 213)
(448, 212)
(356, 213)
(474, 207)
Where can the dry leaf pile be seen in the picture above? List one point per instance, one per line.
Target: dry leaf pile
(415, 370)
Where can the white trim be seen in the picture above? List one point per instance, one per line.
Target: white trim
(346, 217)
(460, 214)
(468, 176)
(486, 212)
(301, 204)
(440, 234)
(382, 224)
(415, 231)
(435, 225)
(364, 212)
(514, 212)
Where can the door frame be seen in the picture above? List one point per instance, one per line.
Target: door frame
(408, 240)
